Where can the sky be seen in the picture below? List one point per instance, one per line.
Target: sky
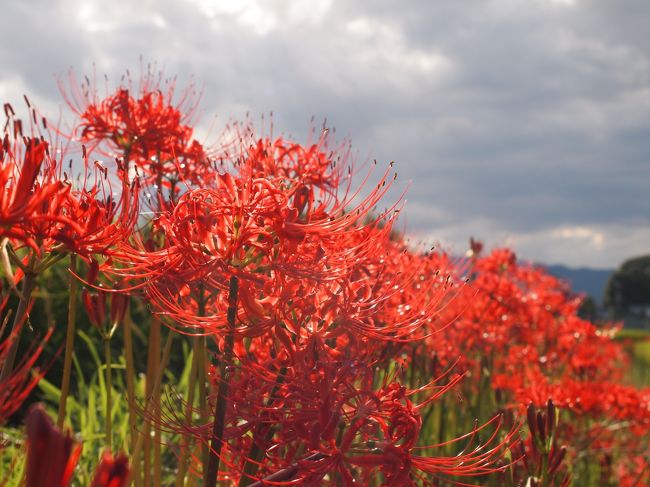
(519, 122)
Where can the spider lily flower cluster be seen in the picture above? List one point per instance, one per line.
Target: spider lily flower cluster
(324, 349)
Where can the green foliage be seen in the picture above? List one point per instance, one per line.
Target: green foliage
(588, 309)
(629, 285)
(85, 414)
(639, 347)
(452, 415)
(12, 457)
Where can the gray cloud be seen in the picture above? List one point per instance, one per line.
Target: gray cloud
(517, 122)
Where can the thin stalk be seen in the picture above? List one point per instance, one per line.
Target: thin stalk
(201, 363)
(203, 393)
(442, 422)
(158, 379)
(545, 478)
(152, 369)
(29, 282)
(69, 340)
(157, 439)
(182, 461)
(130, 390)
(109, 386)
(192, 480)
(413, 367)
(427, 420)
(217, 442)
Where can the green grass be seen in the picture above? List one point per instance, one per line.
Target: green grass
(85, 414)
(640, 352)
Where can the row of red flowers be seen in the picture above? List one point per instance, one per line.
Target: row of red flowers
(325, 349)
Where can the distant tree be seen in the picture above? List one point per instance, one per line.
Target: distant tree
(588, 309)
(629, 286)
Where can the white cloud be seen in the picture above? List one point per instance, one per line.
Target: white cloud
(10, 86)
(93, 17)
(264, 17)
(566, 3)
(382, 45)
(602, 246)
(577, 235)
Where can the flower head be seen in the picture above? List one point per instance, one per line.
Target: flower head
(51, 455)
(112, 471)
(150, 126)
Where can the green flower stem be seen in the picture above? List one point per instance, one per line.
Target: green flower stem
(182, 461)
(158, 379)
(109, 386)
(153, 358)
(130, 389)
(69, 341)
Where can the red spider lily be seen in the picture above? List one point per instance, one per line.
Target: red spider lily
(259, 211)
(376, 300)
(112, 471)
(520, 333)
(541, 455)
(100, 222)
(79, 222)
(380, 439)
(600, 399)
(23, 195)
(211, 231)
(634, 471)
(24, 377)
(243, 227)
(399, 296)
(226, 227)
(320, 399)
(371, 301)
(42, 210)
(148, 125)
(102, 315)
(250, 230)
(319, 311)
(312, 167)
(522, 314)
(51, 455)
(603, 418)
(16, 202)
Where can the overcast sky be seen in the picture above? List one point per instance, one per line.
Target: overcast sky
(519, 122)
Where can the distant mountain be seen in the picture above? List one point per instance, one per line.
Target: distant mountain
(583, 280)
